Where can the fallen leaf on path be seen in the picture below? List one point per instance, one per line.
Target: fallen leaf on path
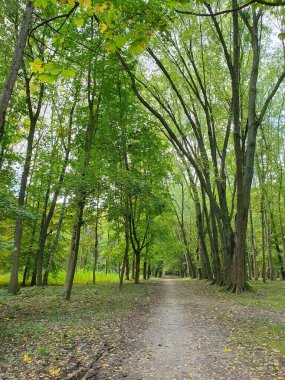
(27, 359)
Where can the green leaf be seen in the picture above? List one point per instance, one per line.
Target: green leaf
(68, 73)
(120, 40)
(41, 3)
(110, 46)
(137, 47)
(78, 21)
(47, 78)
(37, 66)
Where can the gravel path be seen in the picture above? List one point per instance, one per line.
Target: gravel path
(184, 336)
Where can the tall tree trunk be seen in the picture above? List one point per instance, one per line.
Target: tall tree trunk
(278, 251)
(55, 244)
(47, 217)
(126, 255)
(127, 268)
(269, 248)
(206, 271)
(253, 248)
(148, 272)
(96, 252)
(14, 281)
(144, 269)
(137, 266)
(212, 233)
(263, 224)
(82, 194)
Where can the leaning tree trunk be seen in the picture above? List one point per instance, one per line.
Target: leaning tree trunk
(82, 193)
(14, 283)
(6, 94)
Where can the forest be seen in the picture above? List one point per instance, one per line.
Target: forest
(140, 140)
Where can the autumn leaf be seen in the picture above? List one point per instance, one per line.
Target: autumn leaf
(227, 350)
(86, 3)
(27, 359)
(101, 7)
(103, 27)
(54, 371)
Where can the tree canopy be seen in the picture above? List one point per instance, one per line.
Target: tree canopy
(142, 137)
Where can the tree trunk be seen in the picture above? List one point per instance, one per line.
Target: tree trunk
(133, 267)
(14, 282)
(126, 255)
(55, 243)
(206, 271)
(137, 266)
(14, 69)
(253, 248)
(263, 223)
(144, 270)
(269, 249)
(96, 252)
(75, 239)
(47, 217)
(127, 268)
(148, 272)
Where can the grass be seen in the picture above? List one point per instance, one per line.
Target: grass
(81, 277)
(266, 302)
(269, 295)
(40, 323)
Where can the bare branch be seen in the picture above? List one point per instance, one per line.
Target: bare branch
(226, 11)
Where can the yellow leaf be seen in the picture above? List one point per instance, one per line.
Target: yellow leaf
(101, 7)
(54, 372)
(103, 27)
(37, 66)
(71, 3)
(227, 350)
(86, 3)
(27, 359)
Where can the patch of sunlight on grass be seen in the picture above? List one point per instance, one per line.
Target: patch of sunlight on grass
(85, 277)
(81, 278)
(4, 279)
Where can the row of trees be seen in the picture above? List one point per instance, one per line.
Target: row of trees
(148, 131)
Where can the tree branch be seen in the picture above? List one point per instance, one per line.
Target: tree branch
(226, 11)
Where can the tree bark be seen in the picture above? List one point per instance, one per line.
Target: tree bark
(6, 94)
(96, 252)
(55, 244)
(18, 231)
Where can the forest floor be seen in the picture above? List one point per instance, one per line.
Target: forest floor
(167, 329)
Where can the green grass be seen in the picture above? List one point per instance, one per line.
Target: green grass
(39, 322)
(81, 277)
(269, 295)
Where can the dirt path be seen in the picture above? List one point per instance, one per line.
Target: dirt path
(187, 335)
